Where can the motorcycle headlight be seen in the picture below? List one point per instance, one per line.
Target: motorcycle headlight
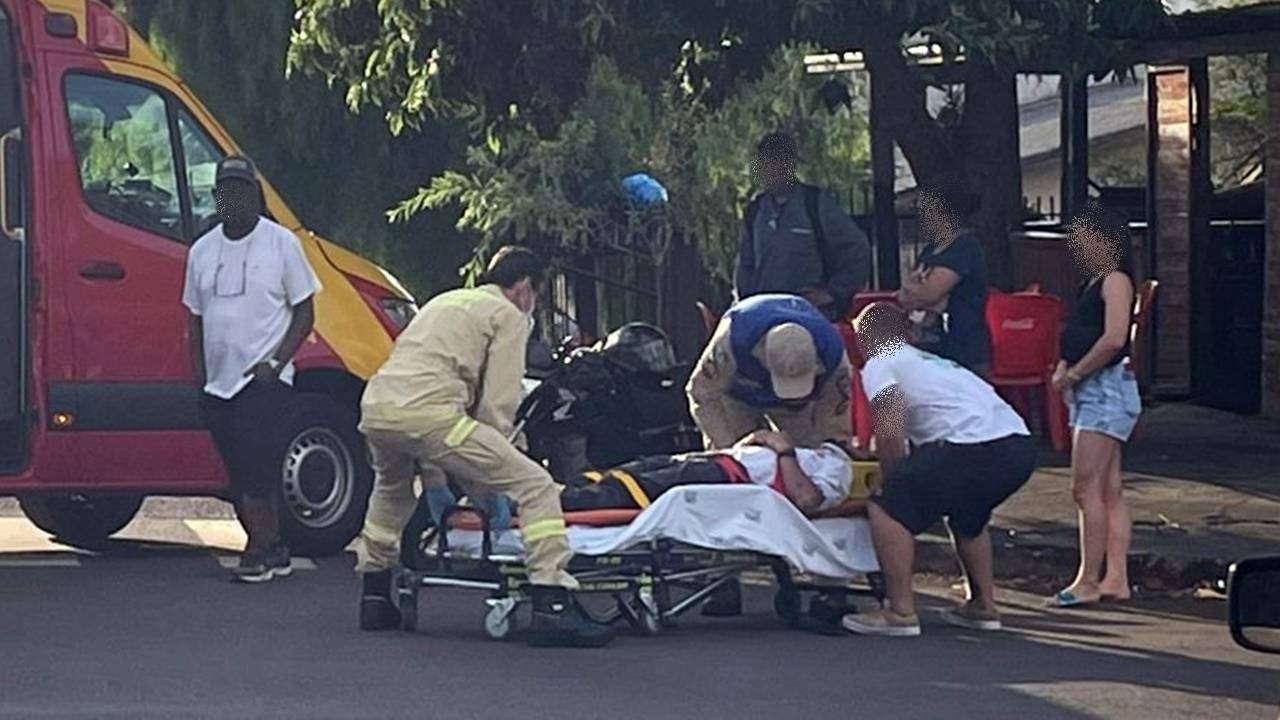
(398, 311)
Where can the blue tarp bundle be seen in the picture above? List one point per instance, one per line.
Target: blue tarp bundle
(643, 190)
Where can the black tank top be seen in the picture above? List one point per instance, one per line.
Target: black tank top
(1086, 324)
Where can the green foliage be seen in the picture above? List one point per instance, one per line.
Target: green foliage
(524, 75)
(563, 191)
(1237, 117)
(338, 172)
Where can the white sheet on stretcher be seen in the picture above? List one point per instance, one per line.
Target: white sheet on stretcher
(721, 517)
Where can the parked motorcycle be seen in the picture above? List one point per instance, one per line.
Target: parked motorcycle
(604, 405)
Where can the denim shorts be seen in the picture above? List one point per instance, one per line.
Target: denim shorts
(1106, 402)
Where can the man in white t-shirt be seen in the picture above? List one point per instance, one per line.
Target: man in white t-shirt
(813, 479)
(249, 288)
(970, 451)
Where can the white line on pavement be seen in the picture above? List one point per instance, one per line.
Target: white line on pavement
(28, 560)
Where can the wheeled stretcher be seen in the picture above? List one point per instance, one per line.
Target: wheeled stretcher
(656, 563)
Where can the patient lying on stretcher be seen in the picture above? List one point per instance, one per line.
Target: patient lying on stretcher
(813, 479)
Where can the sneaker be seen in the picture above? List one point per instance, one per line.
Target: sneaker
(558, 621)
(972, 617)
(883, 622)
(253, 568)
(279, 561)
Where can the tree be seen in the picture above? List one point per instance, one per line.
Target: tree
(1237, 117)
(338, 172)
(563, 191)
(475, 60)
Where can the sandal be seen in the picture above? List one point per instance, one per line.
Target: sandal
(1068, 599)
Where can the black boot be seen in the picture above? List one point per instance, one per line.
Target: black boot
(726, 601)
(558, 621)
(377, 607)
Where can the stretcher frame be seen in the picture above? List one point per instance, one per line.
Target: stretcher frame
(651, 584)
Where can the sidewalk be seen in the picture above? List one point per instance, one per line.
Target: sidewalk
(1203, 487)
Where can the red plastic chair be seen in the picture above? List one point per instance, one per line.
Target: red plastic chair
(1024, 351)
(1139, 337)
(863, 299)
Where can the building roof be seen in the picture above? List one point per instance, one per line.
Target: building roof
(1114, 108)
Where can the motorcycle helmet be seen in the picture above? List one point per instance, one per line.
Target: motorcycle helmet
(640, 346)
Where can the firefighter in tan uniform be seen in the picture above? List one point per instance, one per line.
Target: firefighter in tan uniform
(774, 359)
(444, 404)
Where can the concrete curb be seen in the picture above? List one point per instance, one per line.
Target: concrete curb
(1045, 568)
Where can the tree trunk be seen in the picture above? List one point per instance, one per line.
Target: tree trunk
(984, 149)
(989, 141)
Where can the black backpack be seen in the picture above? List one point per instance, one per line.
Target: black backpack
(811, 197)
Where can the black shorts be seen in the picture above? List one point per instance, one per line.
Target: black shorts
(246, 432)
(963, 483)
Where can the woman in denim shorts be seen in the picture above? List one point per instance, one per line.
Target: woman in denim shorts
(1102, 397)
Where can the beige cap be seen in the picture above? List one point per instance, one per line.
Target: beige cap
(792, 360)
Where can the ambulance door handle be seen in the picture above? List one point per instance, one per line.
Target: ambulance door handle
(102, 270)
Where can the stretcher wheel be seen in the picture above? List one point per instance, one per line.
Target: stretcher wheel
(407, 604)
(788, 605)
(876, 581)
(648, 620)
(500, 622)
(640, 614)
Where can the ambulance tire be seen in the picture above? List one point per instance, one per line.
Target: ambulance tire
(79, 519)
(324, 474)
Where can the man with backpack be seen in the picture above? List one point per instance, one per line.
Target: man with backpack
(796, 239)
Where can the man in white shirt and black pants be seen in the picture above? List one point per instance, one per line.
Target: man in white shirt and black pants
(970, 451)
(249, 288)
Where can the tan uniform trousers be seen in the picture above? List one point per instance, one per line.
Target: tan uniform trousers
(476, 455)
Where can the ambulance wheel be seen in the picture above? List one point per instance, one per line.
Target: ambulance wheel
(80, 519)
(500, 623)
(787, 604)
(325, 477)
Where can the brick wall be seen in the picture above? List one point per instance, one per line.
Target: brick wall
(1171, 92)
(1271, 306)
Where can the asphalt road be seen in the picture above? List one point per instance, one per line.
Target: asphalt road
(154, 630)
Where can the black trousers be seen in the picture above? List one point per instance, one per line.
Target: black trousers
(652, 476)
(963, 483)
(245, 432)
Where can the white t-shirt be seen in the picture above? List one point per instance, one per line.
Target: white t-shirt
(944, 401)
(828, 468)
(245, 291)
